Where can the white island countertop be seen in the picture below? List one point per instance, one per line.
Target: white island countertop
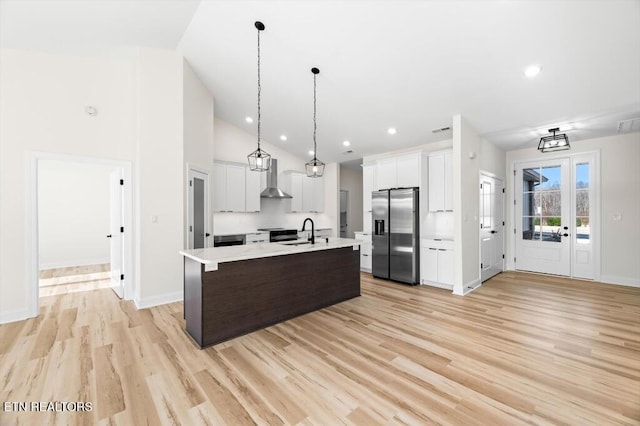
(212, 256)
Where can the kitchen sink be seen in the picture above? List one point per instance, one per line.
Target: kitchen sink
(295, 243)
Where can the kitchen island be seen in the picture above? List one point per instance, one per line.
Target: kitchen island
(231, 291)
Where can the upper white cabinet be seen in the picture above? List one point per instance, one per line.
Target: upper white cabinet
(235, 188)
(398, 172)
(252, 190)
(440, 181)
(307, 193)
(368, 186)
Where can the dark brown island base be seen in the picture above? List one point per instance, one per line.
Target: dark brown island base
(241, 296)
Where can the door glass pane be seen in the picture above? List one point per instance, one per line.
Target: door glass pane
(198, 213)
(550, 203)
(528, 228)
(583, 230)
(551, 229)
(486, 205)
(550, 178)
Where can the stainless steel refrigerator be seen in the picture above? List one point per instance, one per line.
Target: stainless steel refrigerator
(396, 236)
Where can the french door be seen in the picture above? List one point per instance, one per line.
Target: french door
(554, 218)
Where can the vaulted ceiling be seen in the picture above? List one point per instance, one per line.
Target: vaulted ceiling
(410, 65)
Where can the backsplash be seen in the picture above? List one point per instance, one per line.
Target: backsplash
(272, 214)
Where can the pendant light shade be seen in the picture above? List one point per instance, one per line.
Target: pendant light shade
(259, 160)
(554, 142)
(315, 167)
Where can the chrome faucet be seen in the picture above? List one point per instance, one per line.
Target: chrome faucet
(304, 224)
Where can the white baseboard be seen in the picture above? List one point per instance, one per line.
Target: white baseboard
(72, 263)
(611, 279)
(161, 299)
(13, 316)
(438, 285)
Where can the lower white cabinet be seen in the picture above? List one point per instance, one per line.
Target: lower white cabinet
(436, 263)
(257, 237)
(365, 250)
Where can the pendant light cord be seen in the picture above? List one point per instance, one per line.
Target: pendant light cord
(315, 155)
(259, 89)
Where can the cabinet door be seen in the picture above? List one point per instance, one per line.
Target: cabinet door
(436, 183)
(307, 193)
(318, 195)
(219, 188)
(365, 262)
(445, 266)
(448, 181)
(429, 264)
(408, 171)
(235, 188)
(368, 184)
(252, 190)
(296, 192)
(386, 174)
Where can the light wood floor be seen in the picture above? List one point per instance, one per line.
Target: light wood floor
(72, 279)
(521, 349)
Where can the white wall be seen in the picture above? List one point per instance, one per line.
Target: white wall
(160, 176)
(351, 180)
(492, 159)
(42, 101)
(619, 194)
(198, 135)
(234, 144)
(466, 181)
(73, 213)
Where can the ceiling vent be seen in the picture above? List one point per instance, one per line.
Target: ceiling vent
(628, 126)
(350, 151)
(441, 129)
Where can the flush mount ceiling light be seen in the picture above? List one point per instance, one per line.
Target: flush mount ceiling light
(315, 167)
(555, 142)
(259, 160)
(392, 130)
(532, 70)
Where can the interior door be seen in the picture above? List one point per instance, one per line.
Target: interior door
(543, 200)
(491, 226)
(116, 231)
(198, 209)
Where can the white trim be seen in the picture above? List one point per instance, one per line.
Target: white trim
(72, 263)
(437, 285)
(161, 299)
(193, 171)
(468, 288)
(31, 231)
(626, 281)
(13, 316)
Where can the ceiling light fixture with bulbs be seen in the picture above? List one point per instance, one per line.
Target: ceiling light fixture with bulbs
(259, 160)
(554, 142)
(315, 167)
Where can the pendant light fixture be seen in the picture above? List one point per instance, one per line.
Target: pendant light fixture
(554, 142)
(259, 160)
(315, 167)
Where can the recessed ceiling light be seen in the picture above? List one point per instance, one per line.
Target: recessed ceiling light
(392, 130)
(532, 70)
(310, 152)
(283, 137)
(346, 143)
(248, 119)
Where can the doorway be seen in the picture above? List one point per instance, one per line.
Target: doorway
(491, 225)
(198, 190)
(556, 216)
(80, 237)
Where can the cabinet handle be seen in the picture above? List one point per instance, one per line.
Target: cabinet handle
(442, 249)
(365, 254)
(432, 248)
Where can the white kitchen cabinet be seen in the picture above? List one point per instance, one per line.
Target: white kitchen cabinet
(257, 237)
(386, 173)
(307, 193)
(365, 250)
(252, 190)
(440, 181)
(436, 263)
(398, 172)
(235, 188)
(368, 186)
(408, 171)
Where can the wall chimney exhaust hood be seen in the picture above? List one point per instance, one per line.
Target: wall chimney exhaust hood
(272, 190)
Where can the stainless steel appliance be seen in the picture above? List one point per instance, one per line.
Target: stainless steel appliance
(280, 234)
(272, 190)
(396, 235)
(228, 240)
